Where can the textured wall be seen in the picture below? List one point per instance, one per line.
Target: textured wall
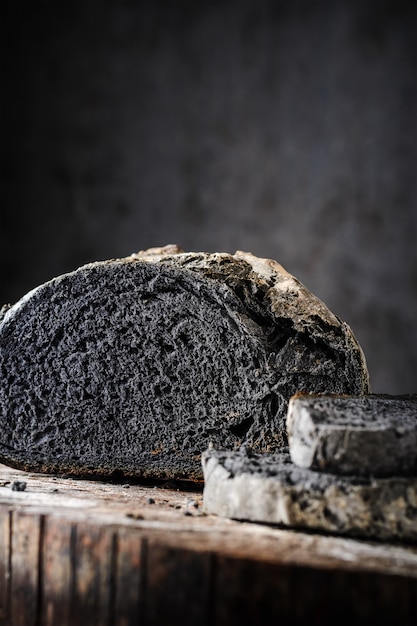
(285, 128)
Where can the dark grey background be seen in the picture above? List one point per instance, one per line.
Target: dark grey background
(284, 128)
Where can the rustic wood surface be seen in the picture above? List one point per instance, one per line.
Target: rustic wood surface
(76, 552)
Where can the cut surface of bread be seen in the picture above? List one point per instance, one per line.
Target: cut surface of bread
(363, 435)
(132, 366)
(270, 489)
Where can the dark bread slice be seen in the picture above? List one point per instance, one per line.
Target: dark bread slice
(269, 488)
(130, 367)
(366, 435)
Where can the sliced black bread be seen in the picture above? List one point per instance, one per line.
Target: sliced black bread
(132, 366)
(269, 488)
(366, 435)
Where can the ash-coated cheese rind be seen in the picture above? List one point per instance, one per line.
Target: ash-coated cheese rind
(132, 366)
(365, 435)
(271, 489)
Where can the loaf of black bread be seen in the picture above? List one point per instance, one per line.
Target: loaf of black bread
(132, 366)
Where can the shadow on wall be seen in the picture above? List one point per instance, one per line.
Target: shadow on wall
(287, 129)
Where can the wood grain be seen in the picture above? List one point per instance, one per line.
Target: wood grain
(177, 585)
(57, 572)
(92, 571)
(128, 606)
(25, 542)
(81, 552)
(5, 529)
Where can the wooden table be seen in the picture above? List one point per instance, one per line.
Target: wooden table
(76, 552)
